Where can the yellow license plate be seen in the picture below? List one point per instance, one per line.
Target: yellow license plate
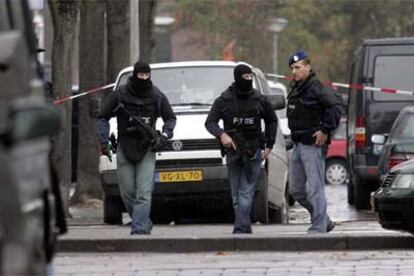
(180, 176)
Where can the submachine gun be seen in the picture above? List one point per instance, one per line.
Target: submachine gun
(157, 140)
(243, 151)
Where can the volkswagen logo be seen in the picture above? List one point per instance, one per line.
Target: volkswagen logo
(177, 145)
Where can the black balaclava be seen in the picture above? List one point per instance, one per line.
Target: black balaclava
(140, 86)
(244, 87)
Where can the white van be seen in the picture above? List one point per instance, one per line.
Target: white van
(191, 175)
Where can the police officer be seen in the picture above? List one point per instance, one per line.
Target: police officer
(137, 100)
(313, 113)
(241, 107)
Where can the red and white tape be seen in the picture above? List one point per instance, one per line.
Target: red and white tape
(59, 101)
(333, 84)
(354, 86)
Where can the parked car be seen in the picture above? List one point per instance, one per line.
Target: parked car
(191, 88)
(394, 200)
(384, 63)
(396, 146)
(336, 171)
(27, 203)
(277, 88)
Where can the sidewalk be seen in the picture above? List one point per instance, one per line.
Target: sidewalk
(87, 233)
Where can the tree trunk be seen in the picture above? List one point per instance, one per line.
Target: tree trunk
(64, 17)
(91, 75)
(118, 37)
(146, 19)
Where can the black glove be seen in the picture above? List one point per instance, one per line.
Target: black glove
(106, 150)
(160, 142)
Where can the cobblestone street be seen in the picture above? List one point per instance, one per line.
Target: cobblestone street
(352, 262)
(338, 208)
(239, 263)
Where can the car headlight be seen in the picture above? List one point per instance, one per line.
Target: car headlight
(404, 181)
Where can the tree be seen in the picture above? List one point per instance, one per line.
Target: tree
(146, 19)
(221, 22)
(91, 75)
(64, 15)
(329, 30)
(118, 33)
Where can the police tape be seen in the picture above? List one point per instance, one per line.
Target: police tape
(354, 86)
(62, 100)
(333, 84)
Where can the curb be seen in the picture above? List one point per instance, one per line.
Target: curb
(281, 243)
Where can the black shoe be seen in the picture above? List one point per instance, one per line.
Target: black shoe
(330, 227)
(139, 233)
(242, 232)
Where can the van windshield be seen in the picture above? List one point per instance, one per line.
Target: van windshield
(404, 129)
(393, 72)
(196, 86)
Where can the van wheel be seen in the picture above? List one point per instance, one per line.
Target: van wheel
(260, 204)
(361, 195)
(113, 207)
(350, 192)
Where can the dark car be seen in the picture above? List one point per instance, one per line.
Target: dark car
(382, 63)
(398, 145)
(336, 171)
(394, 200)
(27, 202)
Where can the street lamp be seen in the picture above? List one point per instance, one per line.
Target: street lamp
(162, 36)
(276, 25)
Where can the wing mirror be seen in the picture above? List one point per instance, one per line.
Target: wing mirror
(33, 122)
(277, 101)
(379, 139)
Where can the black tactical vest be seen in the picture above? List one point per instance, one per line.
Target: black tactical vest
(135, 141)
(242, 121)
(304, 118)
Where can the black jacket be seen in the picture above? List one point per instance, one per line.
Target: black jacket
(223, 108)
(123, 103)
(312, 107)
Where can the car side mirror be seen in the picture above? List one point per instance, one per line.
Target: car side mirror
(277, 101)
(378, 139)
(33, 122)
(15, 65)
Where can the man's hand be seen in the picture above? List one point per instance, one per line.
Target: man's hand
(106, 150)
(227, 141)
(266, 153)
(160, 143)
(320, 138)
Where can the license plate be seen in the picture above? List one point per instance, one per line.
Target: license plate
(180, 176)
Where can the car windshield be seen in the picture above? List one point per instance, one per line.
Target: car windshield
(404, 129)
(195, 86)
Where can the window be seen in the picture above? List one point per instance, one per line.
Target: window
(393, 72)
(4, 18)
(186, 85)
(404, 129)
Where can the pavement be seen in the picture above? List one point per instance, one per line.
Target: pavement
(219, 263)
(87, 233)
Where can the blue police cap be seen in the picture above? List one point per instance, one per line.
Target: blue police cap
(295, 57)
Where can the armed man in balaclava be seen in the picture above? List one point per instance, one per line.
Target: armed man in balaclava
(241, 107)
(137, 105)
